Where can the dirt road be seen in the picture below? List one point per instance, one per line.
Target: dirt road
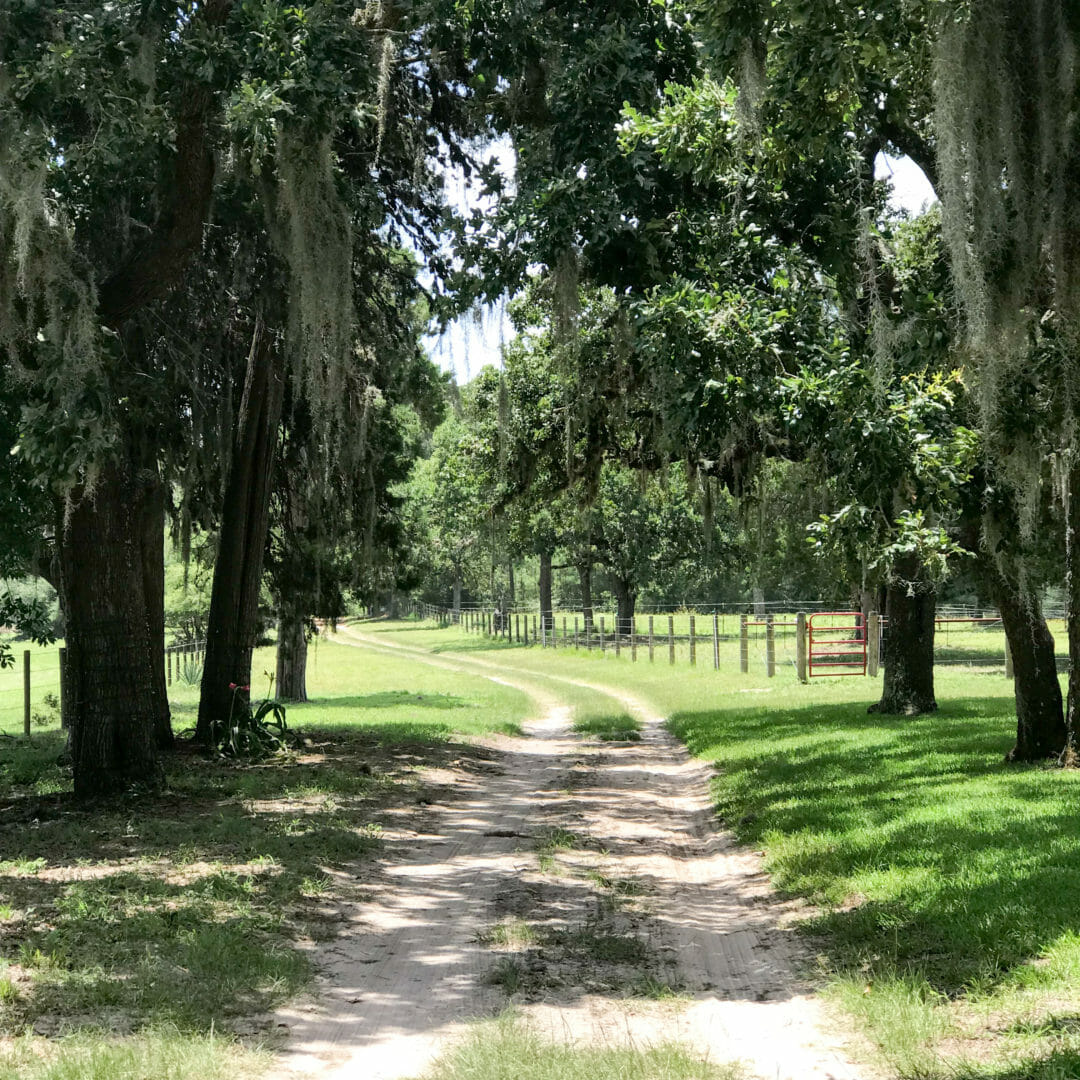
(585, 882)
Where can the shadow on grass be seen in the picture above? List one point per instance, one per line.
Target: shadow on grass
(387, 699)
(184, 908)
(937, 858)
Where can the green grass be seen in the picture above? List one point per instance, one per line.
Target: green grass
(162, 1055)
(947, 881)
(607, 726)
(505, 1050)
(133, 931)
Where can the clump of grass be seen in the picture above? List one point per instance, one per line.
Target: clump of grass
(502, 1049)
(511, 933)
(161, 1054)
(598, 947)
(509, 974)
(557, 839)
(608, 728)
(649, 986)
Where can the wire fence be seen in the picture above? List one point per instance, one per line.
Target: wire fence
(762, 637)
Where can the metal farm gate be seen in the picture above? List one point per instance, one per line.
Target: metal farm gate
(836, 643)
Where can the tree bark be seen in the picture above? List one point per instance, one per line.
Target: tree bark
(908, 686)
(291, 677)
(457, 594)
(114, 705)
(1071, 756)
(152, 553)
(1040, 723)
(510, 574)
(234, 596)
(585, 578)
(626, 601)
(547, 617)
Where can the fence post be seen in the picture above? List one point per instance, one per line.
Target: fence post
(650, 639)
(633, 639)
(693, 643)
(618, 635)
(534, 628)
(744, 645)
(671, 638)
(65, 703)
(564, 629)
(1008, 659)
(873, 643)
(715, 641)
(770, 645)
(800, 645)
(602, 633)
(26, 691)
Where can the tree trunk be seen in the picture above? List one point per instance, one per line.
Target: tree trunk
(114, 704)
(291, 677)
(626, 600)
(909, 654)
(1040, 725)
(510, 574)
(457, 594)
(547, 617)
(585, 577)
(234, 596)
(1071, 756)
(152, 552)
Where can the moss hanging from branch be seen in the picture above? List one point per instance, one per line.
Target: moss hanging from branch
(315, 231)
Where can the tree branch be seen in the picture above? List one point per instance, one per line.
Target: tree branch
(154, 268)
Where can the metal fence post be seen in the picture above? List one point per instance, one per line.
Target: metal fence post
(744, 645)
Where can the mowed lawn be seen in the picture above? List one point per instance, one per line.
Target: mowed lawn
(147, 938)
(946, 882)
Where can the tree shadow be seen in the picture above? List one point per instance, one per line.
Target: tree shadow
(187, 907)
(933, 856)
(388, 699)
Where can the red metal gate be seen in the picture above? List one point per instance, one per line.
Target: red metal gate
(830, 654)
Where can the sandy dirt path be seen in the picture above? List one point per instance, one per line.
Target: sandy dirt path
(410, 967)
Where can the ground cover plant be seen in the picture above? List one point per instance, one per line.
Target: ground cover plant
(944, 879)
(505, 1048)
(149, 936)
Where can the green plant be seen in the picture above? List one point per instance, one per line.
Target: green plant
(189, 669)
(252, 730)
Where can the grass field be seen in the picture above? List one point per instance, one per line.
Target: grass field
(947, 883)
(136, 940)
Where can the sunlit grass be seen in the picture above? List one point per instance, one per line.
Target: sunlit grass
(946, 879)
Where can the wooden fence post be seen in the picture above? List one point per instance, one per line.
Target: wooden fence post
(650, 639)
(800, 645)
(770, 645)
(168, 663)
(744, 645)
(873, 644)
(618, 635)
(671, 638)
(534, 629)
(602, 633)
(693, 644)
(715, 641)
(633, 639)
(26, 691)
(65, 698)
